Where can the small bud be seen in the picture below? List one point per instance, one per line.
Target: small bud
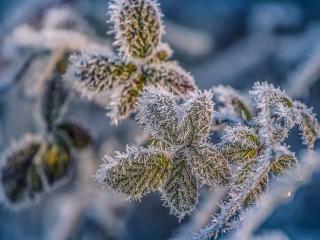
(162, 54)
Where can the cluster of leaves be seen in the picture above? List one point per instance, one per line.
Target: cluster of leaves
(180, 157)
(37, 163)
(256, 151)
(142, 60)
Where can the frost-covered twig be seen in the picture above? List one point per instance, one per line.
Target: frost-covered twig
(258, 152)
(282, 191)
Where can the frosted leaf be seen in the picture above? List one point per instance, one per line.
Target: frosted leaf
(197, 117)
(240, 144)
(125, 100)
(310, 129)
(282, 162)
(266, 94)
(238, 153)
(309, 124)
(137, 26)
(156, 143)
(135, 172)
(279, 132)
(245, 171)
(92, 73)
(171, 76)
(233, 101)
(260, 186)
(161, 54)
(20, 178)
(209, 165)
(181, 189)
(243, 135)
(157, 114)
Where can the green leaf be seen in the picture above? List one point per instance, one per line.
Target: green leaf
(245, 171)
(171, 76)
(56, 161)
(137, 26)
(238, 153)
(181, 188)
(209, 165)
(196, 123)
(125, 102)
(310, 129)
(92, 73)
(136, 172)
(258, 187)
(20, 178)
(157, 114)
(79, 136)
(282, 163)
(155, 143)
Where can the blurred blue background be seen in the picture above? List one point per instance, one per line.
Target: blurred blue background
(220, 42)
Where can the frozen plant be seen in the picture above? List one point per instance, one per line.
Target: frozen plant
(178, 161)
(181, 158)
(142, 59)
(37, 163)
(281, 192)
(256, 150)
